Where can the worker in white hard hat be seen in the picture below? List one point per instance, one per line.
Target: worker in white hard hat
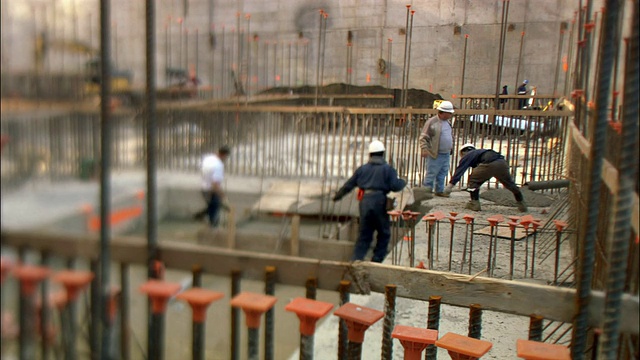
(436, 145)
(375, 179)
(486, 164)
(522, 90)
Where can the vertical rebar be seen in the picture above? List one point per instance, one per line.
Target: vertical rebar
(406, 48)
(557, 257)
(519, 65)
(94, 325)
(389, 45)
(196, 271)
(389, 321)
(598, 147)
(253, 335)
(44, 311)
(343, 331)
(558, 60)
(535, 327)
(471, 245)
(311, 287)
(464, 67)
(269, 323)
(453, 223)
(235, 316)
(628, 174)
(503, 36)
(433, 322)
(512, 227)
(475, 321)
(315, 103)
(355, 350)
(406, 84)
(125, 332)
(105, 169)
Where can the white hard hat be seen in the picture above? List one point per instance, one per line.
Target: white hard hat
(446, 106)
(376, 146)
(525, 81)
(467, 146)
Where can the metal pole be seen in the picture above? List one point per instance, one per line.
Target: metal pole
(517, 82)
(406, 84)
(315, 103)
(433, 322)
(269, 289)
(558, 60)
(389, 321)
(105, 173)
(503, 36)
(475, 321)
(464, 67)
(598, 146)
(628, 170)
(235, 316)
(406, 48)
(343, 330)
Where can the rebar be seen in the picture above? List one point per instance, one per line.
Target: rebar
(404, 65)
(125, 326)
(535, 327)
(44, 311)
(452, 219)
(235, 316)
(627, 179)
(598, 142)
(311, 286)
(433, 322)
(406, 84)
(269, 323)
(343, 331)
(475, 321)
(512, 249)
(389, 321)
(105, 160)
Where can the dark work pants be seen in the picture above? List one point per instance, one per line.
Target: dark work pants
(213, 207)
(498, 169)
(373, 217)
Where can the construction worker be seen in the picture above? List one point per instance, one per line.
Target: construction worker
(486, 164)
(522, 90)
(436, 144)
(212, 178)
(375, 179)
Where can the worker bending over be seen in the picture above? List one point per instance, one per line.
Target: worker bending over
(376, 179)
(486, 164)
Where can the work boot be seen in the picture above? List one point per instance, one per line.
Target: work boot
(428, 193)
(473, 205)
(522, 206)
(443, 194)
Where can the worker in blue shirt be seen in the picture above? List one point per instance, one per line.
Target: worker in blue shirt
(486, 164)
(376, 179)
(522, 90)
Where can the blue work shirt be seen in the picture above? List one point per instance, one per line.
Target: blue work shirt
(374, 175)
(472, 159)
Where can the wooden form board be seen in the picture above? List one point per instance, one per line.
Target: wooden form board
(553, 303)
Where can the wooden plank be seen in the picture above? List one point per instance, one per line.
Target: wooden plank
(609, 174)
(553, 303)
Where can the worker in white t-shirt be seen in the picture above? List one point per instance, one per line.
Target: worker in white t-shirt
(212, 178)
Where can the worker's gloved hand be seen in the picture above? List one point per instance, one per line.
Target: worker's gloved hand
(448, 189)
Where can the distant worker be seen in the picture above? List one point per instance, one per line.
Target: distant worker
(436, 144)
(505, 91)
(486, 164)
(522, 90)
(376, 179)
(212, 178)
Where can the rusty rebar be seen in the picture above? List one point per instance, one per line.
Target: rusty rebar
(389, 321)
(311, 286)
(535, 327)
(343, 331)
(235, 316)
(433, 322)
(475, 321)
(269, 322)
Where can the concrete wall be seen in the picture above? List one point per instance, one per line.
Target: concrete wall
(287, 40)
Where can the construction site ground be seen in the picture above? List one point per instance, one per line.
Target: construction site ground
(40, 202)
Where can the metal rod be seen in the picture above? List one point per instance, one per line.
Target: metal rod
(628, 170)
(557, 257)
(343, 331)
(105, 171)
(94, 326)
(269, 322)
(389, 321)
(464, 67)
(235, 316)
(404, 65)
(535, 327)
(503, 36)
(44, 310)
(311, 286)
(433, 322)
(471, 245)
(453, 223)
(475, 321)
(406, 84)
(598, 143)
(125, 327)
